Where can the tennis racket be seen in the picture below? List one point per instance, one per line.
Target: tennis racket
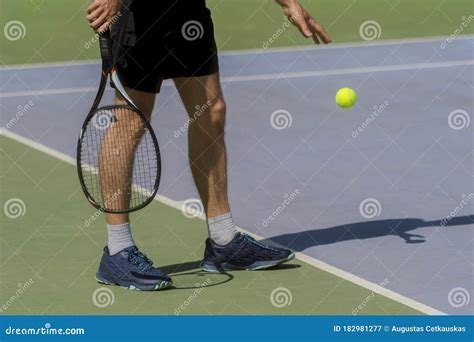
(118, 158)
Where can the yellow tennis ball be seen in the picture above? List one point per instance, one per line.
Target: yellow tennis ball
(346, 97)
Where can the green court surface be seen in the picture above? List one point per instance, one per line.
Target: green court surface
(55, 243)
(58, 32)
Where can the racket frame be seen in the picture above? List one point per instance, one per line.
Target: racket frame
(109, 70)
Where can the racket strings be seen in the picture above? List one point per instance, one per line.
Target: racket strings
(119, 161)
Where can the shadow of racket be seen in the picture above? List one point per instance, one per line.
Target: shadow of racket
(199, 279)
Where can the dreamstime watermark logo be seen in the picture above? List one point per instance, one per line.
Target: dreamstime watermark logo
(21, 110)
(368, 299)
(47, 329)
(103, 119)
(22, 287)
(378, 109)
(192, 30)
(199, 110)
(287, 23)
(281, 119)
(370, 208)
(281, 297)
(192, 208)
(288, 199)
(459, 297)
(103, 297)
(14, 208)
(199, 288)
(370, 30)
(14, 30)
(465, 21)
(95, 37)
(458, 119)
(466, 199)
(110, 199)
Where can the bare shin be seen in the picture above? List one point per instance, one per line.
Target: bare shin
(204, 103)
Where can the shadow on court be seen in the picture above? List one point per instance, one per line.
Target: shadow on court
(181, 267)
(195, 266)
(189, 275)
(366, 230)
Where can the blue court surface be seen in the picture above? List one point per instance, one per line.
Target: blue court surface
(383, 191)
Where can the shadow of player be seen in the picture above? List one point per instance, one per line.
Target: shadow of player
(366, 230)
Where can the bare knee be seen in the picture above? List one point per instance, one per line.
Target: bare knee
(145, 101)
(217, 112)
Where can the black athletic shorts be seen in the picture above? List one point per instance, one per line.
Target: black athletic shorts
(158, 39)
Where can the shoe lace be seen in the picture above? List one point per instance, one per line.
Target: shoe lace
(255, 242)
(140, 260)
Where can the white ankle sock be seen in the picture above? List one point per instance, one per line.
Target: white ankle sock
(222, 229)
(120, 237)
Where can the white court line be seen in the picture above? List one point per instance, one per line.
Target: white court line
(349, 71)
(49, 92)
(332, 46)
(266, 77)
(303, 257)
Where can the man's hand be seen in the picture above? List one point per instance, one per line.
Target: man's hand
(307, 25)
(100, 13)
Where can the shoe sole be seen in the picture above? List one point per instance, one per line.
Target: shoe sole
(212, 267)
(163, 285)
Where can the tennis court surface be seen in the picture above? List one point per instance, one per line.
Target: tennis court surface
(377, 199)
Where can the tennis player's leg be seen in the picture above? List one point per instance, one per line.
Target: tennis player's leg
(122, 263)
(123, 138)
(226, 248)
(204, 103)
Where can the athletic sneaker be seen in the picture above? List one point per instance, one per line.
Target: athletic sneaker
(131, 269)
(242, 253)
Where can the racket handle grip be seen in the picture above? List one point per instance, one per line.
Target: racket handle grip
(105, 43)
